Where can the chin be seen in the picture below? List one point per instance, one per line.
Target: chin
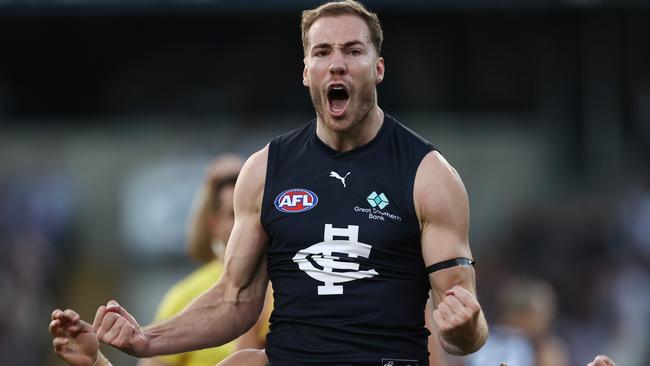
(339, 124)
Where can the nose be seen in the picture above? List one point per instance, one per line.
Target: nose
(337, 64)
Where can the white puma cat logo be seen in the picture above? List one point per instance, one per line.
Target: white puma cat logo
(336, 175)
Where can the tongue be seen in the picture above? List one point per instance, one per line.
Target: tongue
(338, 104)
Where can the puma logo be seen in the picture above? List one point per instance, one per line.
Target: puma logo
(336, 175)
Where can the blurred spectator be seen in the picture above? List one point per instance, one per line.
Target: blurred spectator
(523, 333)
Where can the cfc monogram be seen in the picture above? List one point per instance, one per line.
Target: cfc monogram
(319, 262)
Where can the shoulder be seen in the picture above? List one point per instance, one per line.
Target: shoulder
(255, 167)
(439, 193)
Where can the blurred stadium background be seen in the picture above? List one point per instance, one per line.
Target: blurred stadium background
(110, 110)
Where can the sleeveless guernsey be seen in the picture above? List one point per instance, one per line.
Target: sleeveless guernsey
(344, 254)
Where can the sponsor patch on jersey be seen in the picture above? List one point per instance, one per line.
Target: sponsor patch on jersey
(296, 200)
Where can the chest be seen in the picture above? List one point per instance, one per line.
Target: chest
(360, 201)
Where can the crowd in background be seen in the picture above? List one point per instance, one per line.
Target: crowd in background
(593, 252)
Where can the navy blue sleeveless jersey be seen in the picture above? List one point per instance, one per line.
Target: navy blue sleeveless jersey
(344, 254)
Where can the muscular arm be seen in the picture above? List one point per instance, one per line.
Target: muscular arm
(223, 312)
(443, 210)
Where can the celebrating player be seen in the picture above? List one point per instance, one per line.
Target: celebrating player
(351, 255)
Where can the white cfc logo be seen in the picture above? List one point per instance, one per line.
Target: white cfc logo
(319, 262)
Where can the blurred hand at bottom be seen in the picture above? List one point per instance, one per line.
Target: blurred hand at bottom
(74, 340)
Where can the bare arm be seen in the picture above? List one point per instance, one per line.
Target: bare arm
(223, 312)
(443, 210)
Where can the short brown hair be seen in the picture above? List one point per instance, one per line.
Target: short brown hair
(336, 8)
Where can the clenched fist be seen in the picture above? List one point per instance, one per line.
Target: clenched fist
(457, 318)
(116, 327)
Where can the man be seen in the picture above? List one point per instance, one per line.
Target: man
(346, 216)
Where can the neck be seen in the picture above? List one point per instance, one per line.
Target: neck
(359, 134)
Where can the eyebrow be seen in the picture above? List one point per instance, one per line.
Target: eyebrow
(345, 45)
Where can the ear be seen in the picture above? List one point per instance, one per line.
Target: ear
(380, 68)
(305, 79)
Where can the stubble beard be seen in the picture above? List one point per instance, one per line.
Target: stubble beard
(356, 113)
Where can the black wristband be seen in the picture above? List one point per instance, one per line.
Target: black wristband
(450, 263)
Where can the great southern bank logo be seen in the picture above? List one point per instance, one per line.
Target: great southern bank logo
(296, 200)
(376, 211)
(377, 200)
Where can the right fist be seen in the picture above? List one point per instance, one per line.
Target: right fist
(116, 327)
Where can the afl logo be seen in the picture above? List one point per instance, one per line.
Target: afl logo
(296, 200)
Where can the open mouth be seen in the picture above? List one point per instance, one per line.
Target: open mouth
(337, 97)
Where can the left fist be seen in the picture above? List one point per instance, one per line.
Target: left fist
(457, 314)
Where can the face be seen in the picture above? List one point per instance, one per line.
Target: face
(223, 219)
(342, 70)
